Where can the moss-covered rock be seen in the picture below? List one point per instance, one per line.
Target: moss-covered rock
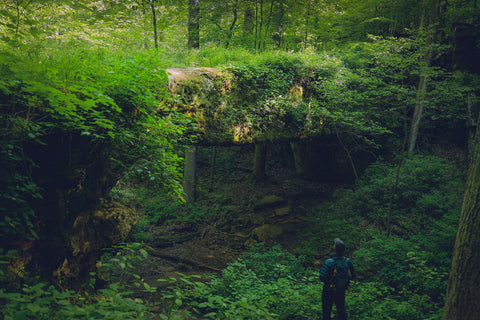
(107, 224)
(268, 201)
(283, 211)
(267, 232)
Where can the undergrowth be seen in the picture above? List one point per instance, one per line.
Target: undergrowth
(403, 275)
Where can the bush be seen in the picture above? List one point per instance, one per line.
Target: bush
(266, 283)
(43, 301)
(405, 273)
(376, 301)
(402, 265)
(428, 188)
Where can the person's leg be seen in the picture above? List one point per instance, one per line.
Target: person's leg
(340, 304)
(327, 303)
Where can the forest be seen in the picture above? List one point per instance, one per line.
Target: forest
(195, 159)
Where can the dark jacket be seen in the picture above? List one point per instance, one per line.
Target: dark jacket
(329, 265)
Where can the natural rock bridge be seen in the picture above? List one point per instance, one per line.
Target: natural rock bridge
(233, 106)
(226, 113)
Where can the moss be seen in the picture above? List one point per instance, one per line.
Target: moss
(268, 201)
(267, 231)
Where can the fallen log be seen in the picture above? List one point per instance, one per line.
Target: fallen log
(183, 260)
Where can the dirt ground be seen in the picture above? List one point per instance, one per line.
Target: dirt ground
(200, 248)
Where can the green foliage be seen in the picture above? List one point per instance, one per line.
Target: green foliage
(301, 95)
(16, 191)
(374, 300)
(428, 190)
(424, 212)
(108, 99)
(57, 77)
(265, 283)
(119, 262)
(403, 265)
(43, 301)
(405, 274)
(159, 209)
(213, 56)
(5, 274)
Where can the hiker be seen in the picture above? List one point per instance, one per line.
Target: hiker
(336, 274)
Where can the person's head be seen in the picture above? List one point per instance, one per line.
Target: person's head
(338, 246)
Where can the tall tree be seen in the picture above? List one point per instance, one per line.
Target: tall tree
(229, 31)
(462, 300)
(248, 22)
(225, 17)
(431, 14)
(154, 21)
(193, 24)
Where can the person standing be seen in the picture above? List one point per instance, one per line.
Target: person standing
(336, 274)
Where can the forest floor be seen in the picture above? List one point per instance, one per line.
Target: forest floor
(247, 212)
(238, 212)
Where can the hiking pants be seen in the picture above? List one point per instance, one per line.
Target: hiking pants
(328, 299)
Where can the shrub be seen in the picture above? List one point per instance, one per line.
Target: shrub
(376, 301)
(43, 301)
(266, 283)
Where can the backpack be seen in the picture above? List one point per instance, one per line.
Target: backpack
(340, 279)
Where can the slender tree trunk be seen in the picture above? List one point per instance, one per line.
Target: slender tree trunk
(146, 26)
(259, 162)
(393, 188)
(232, 25)
(299, 161)
(268, 24)
(417, 113)
(471, 125)
(190, 174)
(462, 300)
(154, 20)
(193, 24)
(260, 26)
(212, 168)
(281, 26)
(256, 25)
(248, 21)
(422, 83)
(17, 24)
(305, 38)
(25, 6)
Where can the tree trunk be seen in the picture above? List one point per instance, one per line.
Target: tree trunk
(154, 20)
(417, 114)
(146, 26)
(259, 162)
(299, 157)
(462, 300)
(268, 24)
(433, 18)
(280, 27)
(248, 21)
(471, 126)
(229, 32)
(193, 24)
(189, 174)
(260, 27)
(212, 168)
(307, 21)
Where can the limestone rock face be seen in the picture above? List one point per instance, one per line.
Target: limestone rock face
(108, 223)
(202, 94)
